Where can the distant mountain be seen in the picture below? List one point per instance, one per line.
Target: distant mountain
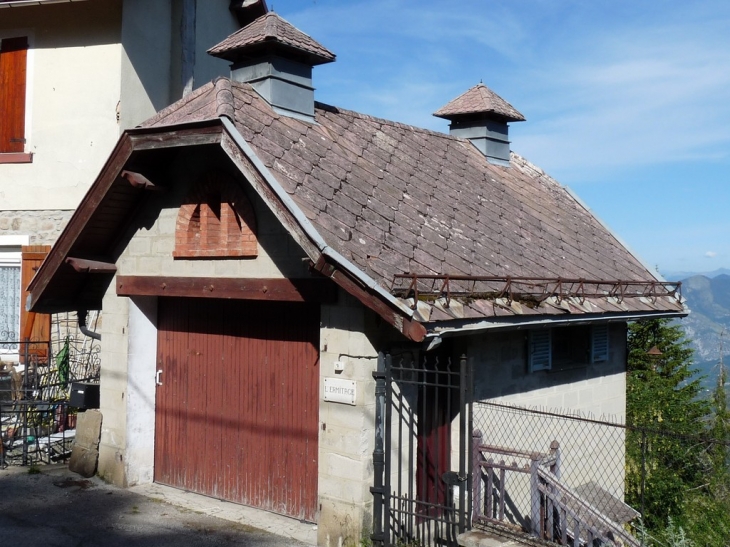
(708, 325)
(675, 276)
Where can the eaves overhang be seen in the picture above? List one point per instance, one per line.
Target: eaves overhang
(104, 212)
(93, 231)
(456, 328)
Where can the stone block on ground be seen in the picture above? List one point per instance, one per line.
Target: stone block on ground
(85, 451)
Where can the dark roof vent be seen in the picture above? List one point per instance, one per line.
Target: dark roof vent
(276, 59)
(481, 116)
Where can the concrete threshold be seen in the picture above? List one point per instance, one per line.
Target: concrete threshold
(233, 512)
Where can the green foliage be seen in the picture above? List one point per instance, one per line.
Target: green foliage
(63, 363)
(661, 395)
(676, 477)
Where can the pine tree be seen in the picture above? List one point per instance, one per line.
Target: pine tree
(720, 430)
(663, 460)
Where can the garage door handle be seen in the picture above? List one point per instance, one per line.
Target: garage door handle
(158, 378)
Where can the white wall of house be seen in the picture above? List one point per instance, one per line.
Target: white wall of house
(155, 56)
(73, 82)
(95, 69)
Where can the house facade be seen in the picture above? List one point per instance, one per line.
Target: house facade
(269, 268)
(73, 76)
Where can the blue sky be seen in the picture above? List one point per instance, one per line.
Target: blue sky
(627, 102)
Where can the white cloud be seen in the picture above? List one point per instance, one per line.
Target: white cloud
(710, 254)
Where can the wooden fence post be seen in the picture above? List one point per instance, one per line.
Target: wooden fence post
(535, 495)
(555, 467)
(476, 454)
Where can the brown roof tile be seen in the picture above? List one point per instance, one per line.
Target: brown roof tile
(270, 29)
(479, 100)
(393, 199)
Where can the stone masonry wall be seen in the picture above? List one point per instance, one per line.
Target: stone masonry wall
(349, 334)
(43, 227)
(347, 433)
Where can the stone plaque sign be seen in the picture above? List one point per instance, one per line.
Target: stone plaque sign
(337, 390)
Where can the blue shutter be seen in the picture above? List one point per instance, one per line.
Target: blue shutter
(540, 350)
(599, 343)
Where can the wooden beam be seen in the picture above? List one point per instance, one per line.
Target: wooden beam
(138, 180)
(276, 290)
(411, 329)
(82, 265)
(175, 138)
(85, 210)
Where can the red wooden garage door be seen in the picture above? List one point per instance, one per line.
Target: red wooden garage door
(237, 411)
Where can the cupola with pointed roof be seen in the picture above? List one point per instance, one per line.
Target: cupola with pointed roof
(481, 116)
(277, 59)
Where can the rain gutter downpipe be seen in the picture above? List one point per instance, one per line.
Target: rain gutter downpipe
(81, 315)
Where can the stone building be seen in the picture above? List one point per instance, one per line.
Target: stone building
(268, 266)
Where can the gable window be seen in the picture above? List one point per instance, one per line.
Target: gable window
(13, 62)
(563, 348)
(216, 221)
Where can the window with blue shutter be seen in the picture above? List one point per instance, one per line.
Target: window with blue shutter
(599, 343)
(540, 350)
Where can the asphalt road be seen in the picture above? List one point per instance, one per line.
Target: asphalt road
(57, 508)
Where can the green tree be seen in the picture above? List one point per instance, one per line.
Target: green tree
(664, 462)
(720, 430)
(707, 509)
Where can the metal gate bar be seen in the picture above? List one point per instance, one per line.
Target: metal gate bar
(421, 496)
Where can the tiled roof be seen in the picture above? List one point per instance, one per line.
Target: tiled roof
(271, 29)
(392, 198)
(479, 100)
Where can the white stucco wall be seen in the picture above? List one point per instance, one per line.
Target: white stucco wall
(95, 69)
(151, 63)
(72, 91)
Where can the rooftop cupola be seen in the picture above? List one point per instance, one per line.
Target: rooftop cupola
(277, 60)
(481, 116)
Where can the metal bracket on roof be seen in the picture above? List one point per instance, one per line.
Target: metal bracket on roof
(533, 290)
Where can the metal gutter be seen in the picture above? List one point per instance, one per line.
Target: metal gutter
(307, 226)
(445, 328)
(24, 3)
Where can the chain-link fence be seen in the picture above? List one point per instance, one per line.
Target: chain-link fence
(574, 479)
(37, 423)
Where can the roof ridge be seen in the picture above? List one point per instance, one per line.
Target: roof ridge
(174, 107)
(224, 98)
(384, 121)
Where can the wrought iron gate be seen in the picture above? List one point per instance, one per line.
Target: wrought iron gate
(422, 491)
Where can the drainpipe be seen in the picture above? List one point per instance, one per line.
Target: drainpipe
(83, 328)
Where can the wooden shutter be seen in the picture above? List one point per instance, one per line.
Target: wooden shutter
(540, 350)
(35, 327)
(599, 343)
(13, 55)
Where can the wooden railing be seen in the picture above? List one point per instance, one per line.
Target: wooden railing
(556, 514)
(567, 516)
